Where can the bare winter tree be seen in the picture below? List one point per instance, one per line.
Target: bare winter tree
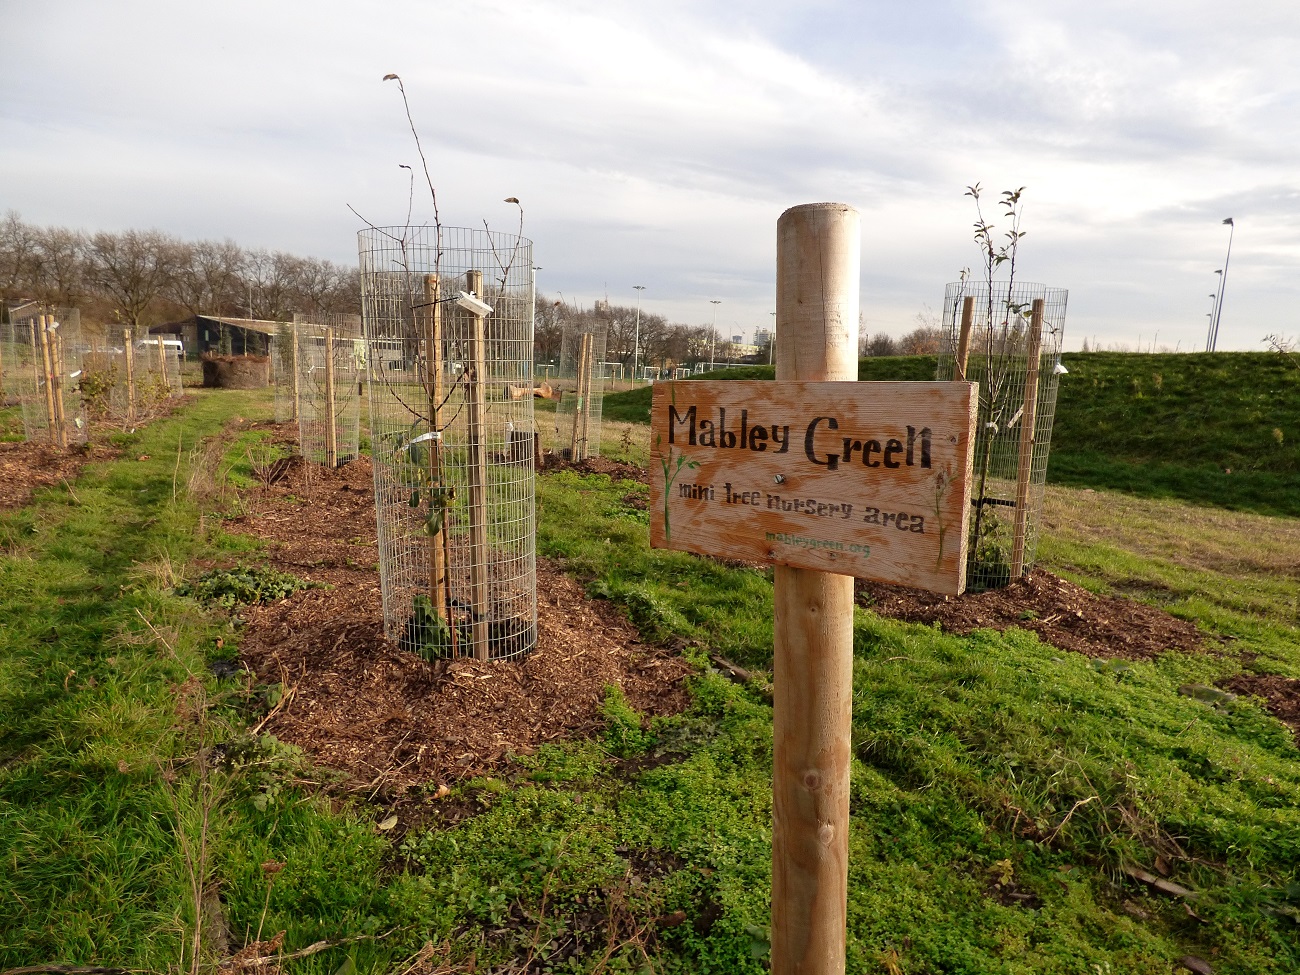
(275, 279)
(59, 266)
(132, 269)
(207, 279)
(17, 253)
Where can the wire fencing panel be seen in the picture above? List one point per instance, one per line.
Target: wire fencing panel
(1013, 351)
(452, 448)
(284, 374)
(329, 366)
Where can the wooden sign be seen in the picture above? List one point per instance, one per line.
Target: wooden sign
(862, 479)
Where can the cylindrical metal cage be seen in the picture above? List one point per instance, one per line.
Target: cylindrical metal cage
(1010, 337)
(46, 349)
(284, 372)
(447, 319)
(581, 378)
(329, 408)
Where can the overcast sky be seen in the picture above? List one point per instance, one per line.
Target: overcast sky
(658, 143)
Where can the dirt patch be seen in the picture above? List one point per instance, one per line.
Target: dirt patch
(388, 718)
(1281, 696)
(24, 467)
(1061, 613)
(618, 470)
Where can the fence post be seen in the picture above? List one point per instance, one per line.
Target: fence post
(51, 416)
(331, 427)
(817, 269)
(60, 411)
(476, 415)
(963, 338)
(438, 555)
(129, 352)
(295, 412)
(1028, 420)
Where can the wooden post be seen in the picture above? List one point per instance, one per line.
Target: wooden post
(817, 268)
(476, 414)
(60, 411)
(438, 555)
(293, 369)
(51, 416)
(1028, 420)
(130, 373)
(162, 362)
(963, 338)
(589, 363)
(36, 360)
(331, 429)
(578, 441)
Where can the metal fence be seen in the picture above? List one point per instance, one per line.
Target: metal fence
(46, 347)
(1007, 339)
(452, 448)
(284, 372)
(577, 415)
(329, 364)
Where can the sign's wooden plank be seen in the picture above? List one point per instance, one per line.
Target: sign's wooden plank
(863, 479)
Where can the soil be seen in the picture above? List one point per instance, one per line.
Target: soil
(387, 718)
(1061, 613)
(24, 467)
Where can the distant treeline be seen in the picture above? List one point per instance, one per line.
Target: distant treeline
(145, 277)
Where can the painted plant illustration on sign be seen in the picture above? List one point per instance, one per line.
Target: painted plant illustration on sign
(673, 463)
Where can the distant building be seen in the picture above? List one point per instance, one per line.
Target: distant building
(214, 333)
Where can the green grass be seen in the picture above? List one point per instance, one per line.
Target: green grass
(633, 405)
(1219, 429)
(984, 766)
(978, 761)
(105, 702)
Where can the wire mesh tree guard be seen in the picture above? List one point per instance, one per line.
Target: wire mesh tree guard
(1008, 339)
(581, 375)
(329, 409)
(43, 349)
(284, 372)
(452, 449)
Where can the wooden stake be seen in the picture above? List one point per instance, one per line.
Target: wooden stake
(817, 267)
(293, 369)
(130, 374)
(438, 554)
(476, 412)
(963, 338)
(1028, 420)
(60, 411)
(331, 429)
(51, 417)
(578, 441)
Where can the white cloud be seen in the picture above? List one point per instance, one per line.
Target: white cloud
(659, 144)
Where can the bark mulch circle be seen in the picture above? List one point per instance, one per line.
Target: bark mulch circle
(387, 718)
(1061, 613)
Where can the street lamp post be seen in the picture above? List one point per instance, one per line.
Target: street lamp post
(636, 343)
(1223, 282)
(713, 336)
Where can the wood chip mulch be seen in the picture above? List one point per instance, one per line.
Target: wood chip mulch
(387, 718)
(24, 467)
(1281, 695)
(1060, 612)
